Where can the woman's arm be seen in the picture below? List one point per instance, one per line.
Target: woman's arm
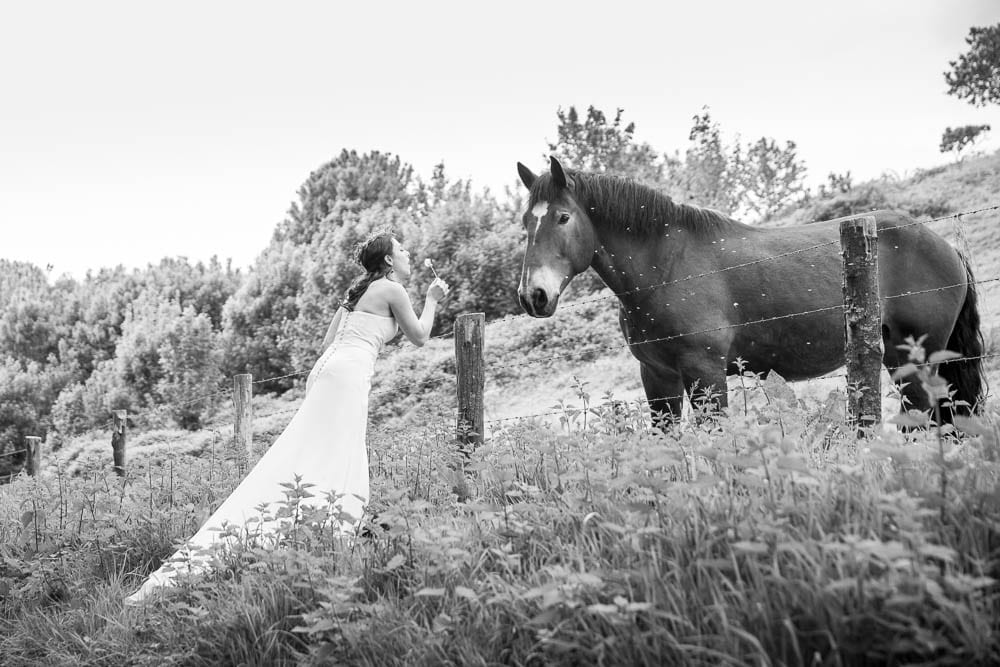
(417, 329)
(332, 330)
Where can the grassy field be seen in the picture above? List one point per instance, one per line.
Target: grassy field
(768, 536)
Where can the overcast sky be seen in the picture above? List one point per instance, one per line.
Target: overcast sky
(130, 131)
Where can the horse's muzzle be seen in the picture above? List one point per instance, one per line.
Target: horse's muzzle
(537, 304)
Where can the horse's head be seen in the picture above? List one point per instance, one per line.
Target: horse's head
(561, 239)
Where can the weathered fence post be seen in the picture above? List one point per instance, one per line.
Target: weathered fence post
(33, 457)
(469, 367)
(863, 320)
(243, 423)
(118, 438)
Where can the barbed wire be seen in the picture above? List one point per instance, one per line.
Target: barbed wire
(619, 401)
(816, 246)
(283, 377)
(439, 380)
(423, 384)
(604, 297)
(449, 334)
(736, 325)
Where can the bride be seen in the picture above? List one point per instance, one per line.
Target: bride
(325, 441)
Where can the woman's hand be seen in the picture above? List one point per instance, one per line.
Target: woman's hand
(438, 290)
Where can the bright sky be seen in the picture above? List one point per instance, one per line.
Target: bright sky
(130, 131)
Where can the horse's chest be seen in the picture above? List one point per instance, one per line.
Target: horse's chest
(659, 331)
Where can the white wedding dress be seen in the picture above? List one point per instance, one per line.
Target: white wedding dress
(324, 444)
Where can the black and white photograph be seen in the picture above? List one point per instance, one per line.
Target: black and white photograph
(522, 333)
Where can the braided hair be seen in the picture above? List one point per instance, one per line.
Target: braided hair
(370, 254)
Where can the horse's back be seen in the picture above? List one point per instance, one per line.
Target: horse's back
(922, 278)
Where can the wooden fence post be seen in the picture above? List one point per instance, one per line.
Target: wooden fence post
(863, 321)
(469, 367)
(243, 423)
(118, 438)
(33, 457)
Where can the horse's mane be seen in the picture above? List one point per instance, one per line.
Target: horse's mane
(630, 207)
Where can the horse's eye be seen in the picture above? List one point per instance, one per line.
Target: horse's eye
(563, 218)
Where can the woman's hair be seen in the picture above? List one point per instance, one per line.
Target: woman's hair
(370, 254)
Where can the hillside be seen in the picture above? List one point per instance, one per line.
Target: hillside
(933, 193)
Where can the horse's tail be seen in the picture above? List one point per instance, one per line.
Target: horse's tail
(966, 376)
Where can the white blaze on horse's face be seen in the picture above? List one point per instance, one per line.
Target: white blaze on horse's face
(538, 210)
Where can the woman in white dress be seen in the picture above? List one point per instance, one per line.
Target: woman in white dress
(325, 441)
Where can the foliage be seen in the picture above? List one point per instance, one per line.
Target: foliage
(254, 319)
(975, 76)
(476, 248)
(768, 535)
(345, 185)
(19, 280)
(28, 330)
(711, 173)
(836, 184)
(861, 199)
(596, 145)
(959, 138)
(166, 356)
(774, 177)
(189, 368)
(27, 390)
(757, 179)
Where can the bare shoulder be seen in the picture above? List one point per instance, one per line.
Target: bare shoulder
(387, 289)
(383, 297)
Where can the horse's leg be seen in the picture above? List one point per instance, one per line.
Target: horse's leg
(664, 392)
(705, 382)
(913, 395)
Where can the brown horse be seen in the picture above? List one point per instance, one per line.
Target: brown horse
(698, 290)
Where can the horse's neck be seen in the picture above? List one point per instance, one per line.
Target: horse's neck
(627, 264)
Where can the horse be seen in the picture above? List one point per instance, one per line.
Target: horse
(701, 293)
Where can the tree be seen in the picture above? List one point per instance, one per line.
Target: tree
(20, 280)
(596, 145)
(28, 330)
(206, 288)
(975, 76)
(756, 179)
(477, 247)
(959, 138)
(773, 177)
(27, 390)
(167, 355)
(837, 183)
(189, 360)
(348, 183)
(254, 319)
(711, 173)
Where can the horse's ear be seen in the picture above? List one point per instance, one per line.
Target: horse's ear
(558, 175)
(527, 177)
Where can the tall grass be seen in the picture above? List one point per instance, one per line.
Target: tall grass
(767, 537)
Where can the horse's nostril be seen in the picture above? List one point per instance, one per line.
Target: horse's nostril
(524, 303)
(539, 299)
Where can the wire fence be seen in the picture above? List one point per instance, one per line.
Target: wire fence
(222, 392)
(629, 344)
(737, 325)
(675, 281)
(645, 400)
